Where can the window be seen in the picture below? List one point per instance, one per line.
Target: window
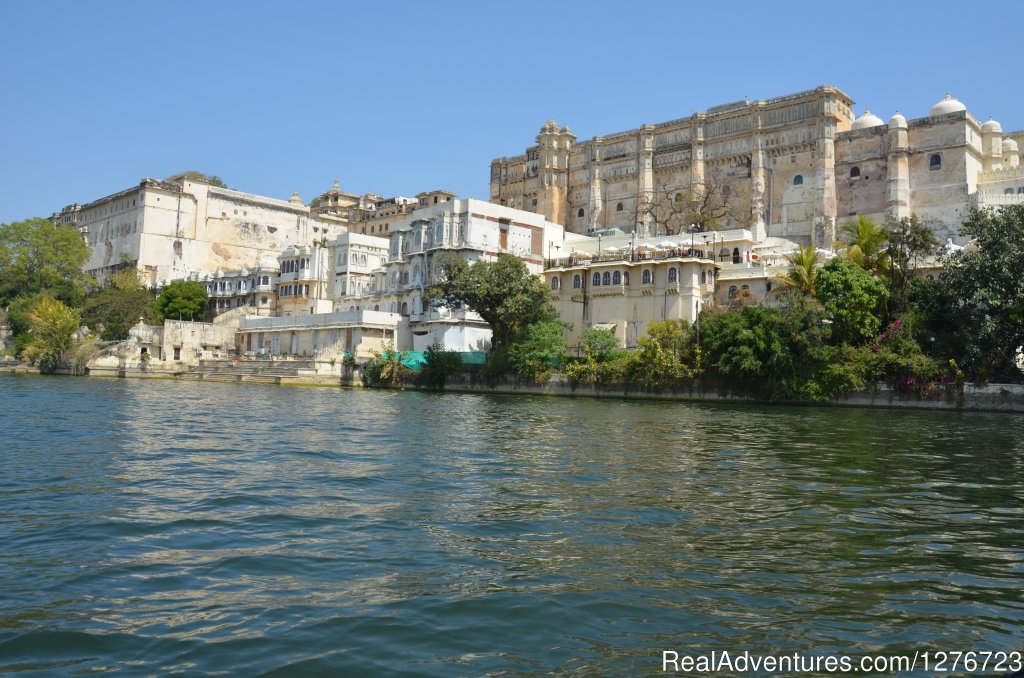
(405, 308)
(617, 278)
(394, 307)
(554, 282)
(673, 275)
(735, 255)
(618, 208)
(1008, 191)
(580, 212)
(362, 260)
(646, 278)
(376, 307)
(596, 281)
(798, 180)
(732, 291)
(711, 275)
(768, 286)
(745, 288)
(577, 282)
(534, 202)
(935, 162)
(703, 277)
(606, 279)
(625, 277)
(854, 172)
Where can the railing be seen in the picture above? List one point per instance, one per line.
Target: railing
(631, 256)
(319, 320)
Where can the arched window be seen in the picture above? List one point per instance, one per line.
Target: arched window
(1020, 189)
(798, 180)
(618, 208)
(439, 232)
(580, 212)
(703, 277)
(732, 291)
(577, 282)
(711, 275)
(625, 277)
(394, 307)
(405, 308)
(351, 308)
(416, 274)
(935, 162)
(417, 306)
(1008, 191)
(646, 278)
(606, 279)
(376, 307)
(854, 172)
(362, 260)
(554, 282)
(735, 255)
(673, 275)
(617, 278)
(745, 288)
(596, 280)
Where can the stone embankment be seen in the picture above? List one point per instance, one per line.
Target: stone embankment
(299, 372)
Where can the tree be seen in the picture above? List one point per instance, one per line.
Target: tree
(600, 343)
(503, 292)
(866, 244)
(185, 299)
(704, 205)
(53, 326)
(119, 305)
(853, 298)
(193, 175)
(910, 241)
(803, 276)
(981, 294)
(664, 357)
(36, 255)
(538, 349)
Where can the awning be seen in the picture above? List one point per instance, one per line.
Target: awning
(605, 326)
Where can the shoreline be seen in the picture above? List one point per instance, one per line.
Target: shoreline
(992, 398)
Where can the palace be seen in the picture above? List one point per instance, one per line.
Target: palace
(793, 167)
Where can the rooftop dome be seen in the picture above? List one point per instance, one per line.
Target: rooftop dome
(295, 199)
(991, 126)
(897, 121)
(947, 105)
(1009, 145)
(868, 119)
(244, 272)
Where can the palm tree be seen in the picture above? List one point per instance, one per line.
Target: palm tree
(803, 276)
(867, 244)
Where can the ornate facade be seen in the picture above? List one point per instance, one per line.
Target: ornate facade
(782, 167)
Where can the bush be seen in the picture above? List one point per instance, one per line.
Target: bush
(536, 352)
(439, 365)
(386, 368)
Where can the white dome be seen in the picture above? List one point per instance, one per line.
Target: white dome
(1009, 145)
(898, 121)
(867, 120)
(991, 126)
(947, 105)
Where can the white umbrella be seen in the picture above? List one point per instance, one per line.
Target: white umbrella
(611, 249)
(669, 245)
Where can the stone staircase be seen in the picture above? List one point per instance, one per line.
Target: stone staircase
(250, 371)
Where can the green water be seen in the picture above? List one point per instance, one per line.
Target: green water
(154, 527)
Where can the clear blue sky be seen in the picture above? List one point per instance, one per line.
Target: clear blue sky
(398, 98)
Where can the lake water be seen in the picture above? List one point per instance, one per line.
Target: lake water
(150, 527)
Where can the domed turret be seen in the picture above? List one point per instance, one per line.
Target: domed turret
(1009, 146)
(868, 119)
(898, 121)
(947, 105)
(991, 127)
(295, 199)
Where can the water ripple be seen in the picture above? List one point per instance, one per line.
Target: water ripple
(209, 529)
